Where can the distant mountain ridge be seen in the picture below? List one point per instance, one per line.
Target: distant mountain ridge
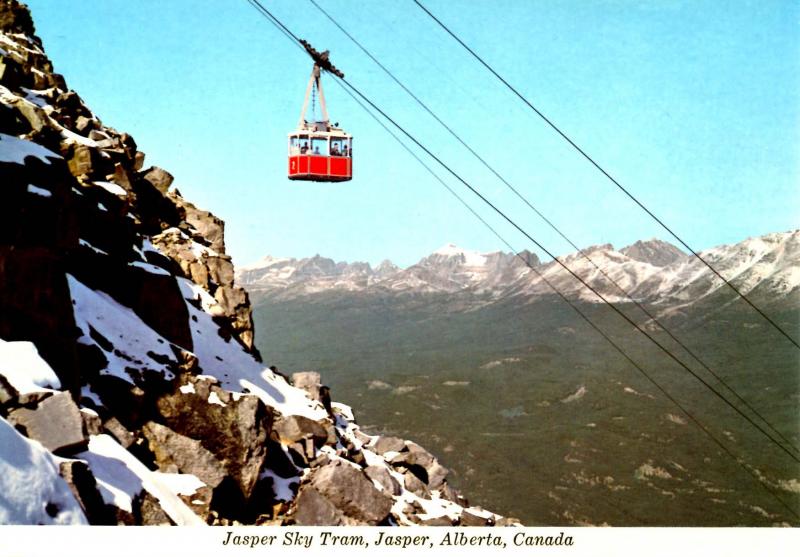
(651, 270)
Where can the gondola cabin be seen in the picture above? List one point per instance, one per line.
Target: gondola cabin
(321, 156)
(319, 151)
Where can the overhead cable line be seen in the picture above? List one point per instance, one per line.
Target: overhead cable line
(555, 228)
(575, 308)
(607, 175)
(570, 271)
(487, 202)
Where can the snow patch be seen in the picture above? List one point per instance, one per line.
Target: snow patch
(121, 477)
(282, 487)
(471, 258)
(153, 269)
(134, 343)
(213, 398)
(647, 470)
(22, 366)
(237, 370)
(31, 489)
(112, 188)
(496, 363)
(16, 150)
(84, 243)
(36, 190)
(577, 395)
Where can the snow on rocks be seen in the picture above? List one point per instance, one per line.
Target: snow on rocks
(236, 369)
(27, 372)
(125, 341)
(31, 489)
(122, 478)
(16, 150)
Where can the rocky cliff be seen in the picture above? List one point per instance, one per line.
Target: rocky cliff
(130, 388)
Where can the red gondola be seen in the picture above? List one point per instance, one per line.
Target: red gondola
(318, 151)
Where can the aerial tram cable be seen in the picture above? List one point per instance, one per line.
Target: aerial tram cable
(612, 179)
(571, 272)
(558, 231)
(545, 250)
(318, 151)
(761, 481)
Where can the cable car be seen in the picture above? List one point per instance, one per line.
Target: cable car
(319, 151)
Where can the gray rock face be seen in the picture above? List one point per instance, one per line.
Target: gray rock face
(178, 453)
(291, 429)
(381, 475)
(384, 444)
(235, 433)
(351, 492)
(56, 423)
(422, 463)
(159, 178)
(656, 252)
(212, 270)
(313, 509)
(416, 485)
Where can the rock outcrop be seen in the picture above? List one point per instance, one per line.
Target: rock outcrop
(126, 348)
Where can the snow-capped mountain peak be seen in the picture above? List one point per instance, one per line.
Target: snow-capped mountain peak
(467, 257)
(654, 251)
(651, 270)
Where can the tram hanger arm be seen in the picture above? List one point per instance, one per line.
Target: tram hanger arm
(322, 59)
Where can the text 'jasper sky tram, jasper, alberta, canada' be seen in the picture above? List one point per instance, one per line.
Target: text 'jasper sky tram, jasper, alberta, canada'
(319, 151)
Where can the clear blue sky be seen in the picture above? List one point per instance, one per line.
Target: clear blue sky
(693, 105)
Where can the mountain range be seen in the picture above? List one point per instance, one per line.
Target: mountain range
(474, 354)
(653, 271)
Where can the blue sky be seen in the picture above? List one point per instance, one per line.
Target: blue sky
(692, 105)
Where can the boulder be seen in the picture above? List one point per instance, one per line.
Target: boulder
(473, 519)
(56, 423)
(291, 429)
(416, 485)
(158, 177)
(381, 475)
(352, 493)
(385, 444)
(208, 229)
(178, 453)
(85, 161)
(84, 125)
(235, 431)
(423, 463)
(311, 508)
(113, 427)
(92, 423)
(437, 474)
(450, 494)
